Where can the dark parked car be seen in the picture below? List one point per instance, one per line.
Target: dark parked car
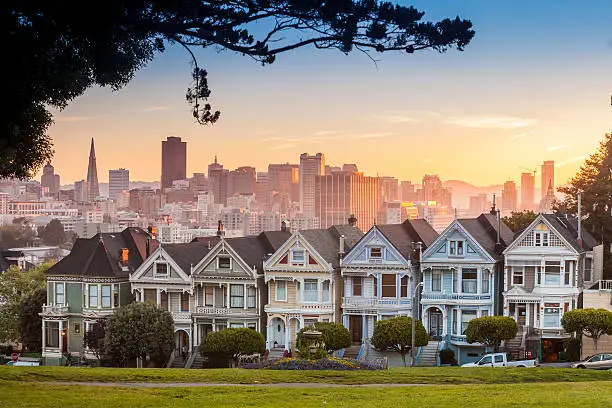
(601, 361)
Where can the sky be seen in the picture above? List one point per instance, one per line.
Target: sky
(533, 85)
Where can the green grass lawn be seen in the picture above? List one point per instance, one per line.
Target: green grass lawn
(433, 375)
(584, 394)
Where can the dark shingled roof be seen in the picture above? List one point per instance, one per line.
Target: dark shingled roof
(327, 241)
(100, 255)
(567, 225)
(186, 255)
(403, 235)
(484, 230)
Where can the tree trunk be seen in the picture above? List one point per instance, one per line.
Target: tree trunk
(594, 344)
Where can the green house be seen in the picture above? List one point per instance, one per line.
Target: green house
(88, 285)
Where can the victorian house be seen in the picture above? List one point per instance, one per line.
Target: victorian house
(462, 275)
(546, 267)
(379, 275)
(87, 285)
(304, 282)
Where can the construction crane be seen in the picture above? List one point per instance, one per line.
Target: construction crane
(534, 170)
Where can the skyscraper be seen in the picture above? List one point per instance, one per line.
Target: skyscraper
(81, 191)
(50, 180)
(118, 181)
(548, 176)
(174, 161)
(527, 191)
(284, 180)
(310, 168)
(92, 175)
(509, 198)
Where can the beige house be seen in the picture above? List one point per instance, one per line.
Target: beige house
(599, 296)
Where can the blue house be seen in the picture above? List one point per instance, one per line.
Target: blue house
(462, 278)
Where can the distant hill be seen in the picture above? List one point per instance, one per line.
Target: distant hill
(462, 191)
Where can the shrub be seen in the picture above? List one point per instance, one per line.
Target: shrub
(396, 334)
(334, 337)
(491, 330)
(572, 348)
(231, 344)
(447, 356)
(6, 349)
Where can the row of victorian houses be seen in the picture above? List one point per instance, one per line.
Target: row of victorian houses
(278, 282)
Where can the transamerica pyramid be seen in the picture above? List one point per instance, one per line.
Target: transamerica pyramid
(92, 174)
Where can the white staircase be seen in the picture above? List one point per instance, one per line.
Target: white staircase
(429, 354)
(276, 353)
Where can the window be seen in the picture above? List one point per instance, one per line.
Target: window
(252, 326)
(150, 295)
(236, 325)
(484, 284)
(161, 270)
(208, 295)
(311, 290)
(184, 302)
(52, 334)
(455, 281)
(454, 322)
(484, 313)
(404, 287)
(77, 328)
(375, 253)
(236, 295)
(116, 295)
(60, 296)
(164, 300)
(455, 248)
(375, 280)
(517, 275)
(251, 296)
(498, 359)
(552, 273)
(388, 286)
(541, 238)
(325, 292)
(298, 256)
(309, 322)
(466, 317)
(469, 280)
(93, 295)
(436, 281)
(567, 272)
(281, 290)
(224, 262)
(357, 285)
(588, 269)
(486, 360)
(106, 296)
(551, 315)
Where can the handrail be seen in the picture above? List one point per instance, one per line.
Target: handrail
(605, 284)
(192, 357)
(170, 360)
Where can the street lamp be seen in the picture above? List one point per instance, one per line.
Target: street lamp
(416, 278)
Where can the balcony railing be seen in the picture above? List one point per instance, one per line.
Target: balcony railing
(223, 311)
(55, 310)
(361, 302)
(181, 316)
(316, 306)
(605, 285)
(454, 296)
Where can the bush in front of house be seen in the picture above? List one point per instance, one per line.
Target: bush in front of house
(232, 344)
(572, 347)
(327, 363)
(447, 356)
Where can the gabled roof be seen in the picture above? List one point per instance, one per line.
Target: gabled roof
(100, 255)
(403, 235)
(567, 225)
(484, 230)
(189, 254)
(327, 241)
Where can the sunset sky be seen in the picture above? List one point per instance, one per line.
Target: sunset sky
(534, 85)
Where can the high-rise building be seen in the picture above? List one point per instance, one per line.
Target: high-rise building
(218, 182)
(527, 191)
(548, 176)
(118, 181)
(433, 190)
(407, 190)
(284, 180)
(81, 191)
(92, 175)
(262, 194)
(310, 168)
(342, 194)
(479, 204)
(50, 181)
(389, 189)
(242, 181)
(509, 198)
(174, 161)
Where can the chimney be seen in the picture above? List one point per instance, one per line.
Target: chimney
(498, 245)
(579, 239)
(352, 220)
(124, 256)
(341, 248)
(220, 231)
(284, 226)
(493, 211)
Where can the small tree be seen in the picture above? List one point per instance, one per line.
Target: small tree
(233, 344)
(519, 220)
(139, 330)
(335, 336)
(94, 338)
(53, 233)
(30, 322)
(396, 334)
(491, 330)
(592, 323)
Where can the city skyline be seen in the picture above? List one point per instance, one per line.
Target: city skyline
(506, 92)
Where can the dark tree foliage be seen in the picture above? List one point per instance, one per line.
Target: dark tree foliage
(396, 334)
(94, 338)
(29, 320)
(491, 331)
(519, 220)
(334, 335)
(592, 323)
(594, 180)
(16, 235)
(57, 50)
(53, 233)
(232, 344)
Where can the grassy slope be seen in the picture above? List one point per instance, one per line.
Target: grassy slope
(19, 394)
(440, 375)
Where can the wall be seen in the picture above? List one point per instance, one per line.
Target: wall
(597, 299)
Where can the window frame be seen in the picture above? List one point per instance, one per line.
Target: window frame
(377, 257)
(63, 286)
(108, 297)
(473, 313)
(251, 297)
(211, 296)
(310, 295)
(516, 273)
(116, 295)
(438, 287)
(473, 281)
(277, 285)
(184, 297)
(224, 258)
(157, 274)
(297, 261)
(357, 282)
(89, 297)
(325, 291)
(236, 300)
(485, 280)
(387, 286)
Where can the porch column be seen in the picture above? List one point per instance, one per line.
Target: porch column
(379, 284)
(44, 334)
(59, 334)
(194, 336)
(364, 327)
(268, 335)
(320, 290)
(245, 296)
(528, 317)
(479, 280)
(158, 299)
(227, 296)
(287, 334)
(214, 325)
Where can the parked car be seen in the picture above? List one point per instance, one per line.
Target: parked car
(500, 360)
(601, 361)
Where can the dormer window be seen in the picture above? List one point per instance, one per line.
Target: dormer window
(376, 253)
(455, 248)
(298, 256)
(161, 270)
(224, 262)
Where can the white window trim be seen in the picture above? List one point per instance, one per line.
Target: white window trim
(439, 273)
(318, 290)
(276, 298)
(157, 275)
(512, 277)
(63, 285)
(297, 261)
(375, 258)
(219, 262)
(456, 242)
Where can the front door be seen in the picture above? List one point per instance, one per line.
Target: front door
(522, 315)
(435, 323)
(355, 327)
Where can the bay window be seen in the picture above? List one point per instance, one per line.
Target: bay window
(552, 273)
(106, 296)
(236, 295)
(251, 296)
(93, 295)
(466, 317)
(311, 290)
(388, 285)
(281, 290)
(51, 334)
(551, 315)
(469, 280)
